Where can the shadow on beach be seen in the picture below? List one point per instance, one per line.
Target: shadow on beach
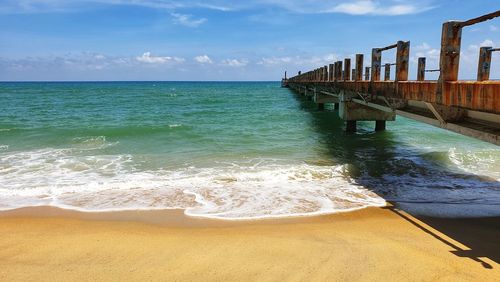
(379, 162)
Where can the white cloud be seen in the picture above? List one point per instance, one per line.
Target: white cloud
(313, 61)
(187, 20)
(203, 59)
(330, 58)
(355, 8)
(73, 61)
(274, 61)
(148, 58)
(487, 43)
(37, 6)
(425, 50)
(234, 62)
(369, 7)
(358, 7)
(422, 47)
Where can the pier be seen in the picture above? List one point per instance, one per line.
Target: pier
(470, 108)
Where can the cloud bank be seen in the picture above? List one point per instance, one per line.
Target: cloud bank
(358, 7)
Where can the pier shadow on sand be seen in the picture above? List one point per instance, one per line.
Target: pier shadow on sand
(380, 157)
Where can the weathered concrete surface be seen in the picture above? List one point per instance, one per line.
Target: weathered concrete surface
(358, 112)
(321, 98)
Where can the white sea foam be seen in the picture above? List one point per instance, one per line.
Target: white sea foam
(4, 147)
(483, 162)
(92, 142)
(71, 178)
(58, 177)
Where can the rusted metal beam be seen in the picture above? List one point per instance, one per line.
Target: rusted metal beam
(482, 96)
(367, 73)
(387, 47)
(479, 19)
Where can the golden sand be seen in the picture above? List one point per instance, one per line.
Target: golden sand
(376, 244)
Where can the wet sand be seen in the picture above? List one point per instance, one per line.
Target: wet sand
(371, 244)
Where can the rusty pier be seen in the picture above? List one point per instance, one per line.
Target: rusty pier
(470, 108)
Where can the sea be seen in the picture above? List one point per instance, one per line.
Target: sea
(227, 150)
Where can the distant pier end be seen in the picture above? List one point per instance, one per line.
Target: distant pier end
(284, 81)
(470, 108)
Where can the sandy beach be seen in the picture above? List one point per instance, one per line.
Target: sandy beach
(372, 244)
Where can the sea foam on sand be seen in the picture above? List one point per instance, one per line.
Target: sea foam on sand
(266, 188)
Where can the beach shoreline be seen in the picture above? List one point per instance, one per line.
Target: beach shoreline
(44, 243)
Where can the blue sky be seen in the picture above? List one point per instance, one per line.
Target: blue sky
(222, 39)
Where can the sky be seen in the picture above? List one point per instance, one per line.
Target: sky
(223, 40)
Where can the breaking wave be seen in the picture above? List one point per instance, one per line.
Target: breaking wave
(266, 188)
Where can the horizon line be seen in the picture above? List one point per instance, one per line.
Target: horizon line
(11, 81)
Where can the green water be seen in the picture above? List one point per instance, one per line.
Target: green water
(229, 150)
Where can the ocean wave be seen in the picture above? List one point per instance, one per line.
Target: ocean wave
(4, 147)
(105, 183)
(479, 162)
(247, 189)
(92, 142)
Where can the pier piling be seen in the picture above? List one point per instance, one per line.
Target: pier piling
(350, 126)
(359, 67)
(347, 69)
(421, 69)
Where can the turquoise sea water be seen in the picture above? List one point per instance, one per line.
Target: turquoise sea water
(230, 150)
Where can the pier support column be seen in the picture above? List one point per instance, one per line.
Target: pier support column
(483, 69)
(336, 106)
(330, 72)
(359, 67)
(321, 106)
(451, 39)
(347, 69)
(376, 64)
(402, 60)
(387, 72)
(379, 125)
(338, 70)
(421, 69)
(350, 126)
